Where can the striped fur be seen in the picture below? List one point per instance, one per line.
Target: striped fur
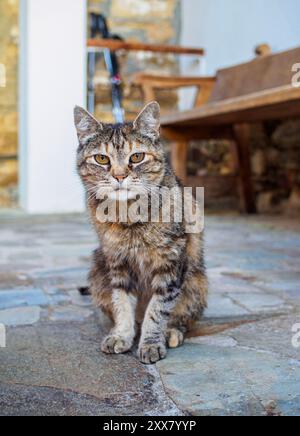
(157, 267)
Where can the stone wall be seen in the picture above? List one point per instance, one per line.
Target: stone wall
(8, 101)
(276, 167)
(155, 21)
(275, 161)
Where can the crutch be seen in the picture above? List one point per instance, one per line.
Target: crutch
(98, 26)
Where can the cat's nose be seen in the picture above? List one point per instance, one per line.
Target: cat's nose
(121, 177)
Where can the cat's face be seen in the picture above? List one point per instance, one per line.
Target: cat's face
(120, 161)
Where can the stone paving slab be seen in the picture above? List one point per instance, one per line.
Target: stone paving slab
(70, 313)
(61, 365)
(263, 366)
(220, 306)
(16, 400)
(230, 380)
(240, 360)
(273, 335)
(25, 297)
(20, 316)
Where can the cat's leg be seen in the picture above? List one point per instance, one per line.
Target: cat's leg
(111, 292)
(189, 308)
(152, 346)
(121, 337)
(123, 303)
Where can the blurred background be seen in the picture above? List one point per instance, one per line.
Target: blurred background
(243, 356)
(44, 72)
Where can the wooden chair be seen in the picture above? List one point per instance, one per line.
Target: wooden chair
(151, 83)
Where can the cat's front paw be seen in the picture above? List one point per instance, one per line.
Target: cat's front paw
(152, 353)
(175, 338)
(115, 344)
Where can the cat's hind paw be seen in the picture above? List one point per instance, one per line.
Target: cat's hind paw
(114, 344)
(152, 353)
(175, 338)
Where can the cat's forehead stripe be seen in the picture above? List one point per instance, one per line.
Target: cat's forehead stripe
(118, 139)
(118, 143)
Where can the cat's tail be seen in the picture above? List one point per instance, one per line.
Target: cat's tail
(84, 291)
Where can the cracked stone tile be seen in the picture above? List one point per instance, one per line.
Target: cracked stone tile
(23, 400)
(49, 290)
(22, 297)
(273, 335)
(79, 300)
(20, 316)
(259, 302)
(71, 277)
(224, 284)
(215, 340)
(214, 380)
(287, 284)
(79, 378)
(25, 256)
(70, 313)
(220, 306)
(60, 298)
(11, 279)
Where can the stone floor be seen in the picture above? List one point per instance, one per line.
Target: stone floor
(241, 359)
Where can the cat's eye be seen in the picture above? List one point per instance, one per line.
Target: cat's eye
(101, 159)
(137, 158)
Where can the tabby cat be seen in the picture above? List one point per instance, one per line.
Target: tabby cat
(147, 276)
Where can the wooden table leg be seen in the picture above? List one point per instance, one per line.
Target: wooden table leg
(179, 158)
(243, 156)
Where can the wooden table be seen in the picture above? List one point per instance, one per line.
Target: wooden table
(257, 91)
(115, 45)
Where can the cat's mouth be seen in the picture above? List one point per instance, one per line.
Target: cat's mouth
(122, 194)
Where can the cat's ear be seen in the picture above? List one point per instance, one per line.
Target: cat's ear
(148, 121)
(86, 125)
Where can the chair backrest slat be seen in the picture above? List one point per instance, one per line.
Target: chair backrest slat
(263, 73)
